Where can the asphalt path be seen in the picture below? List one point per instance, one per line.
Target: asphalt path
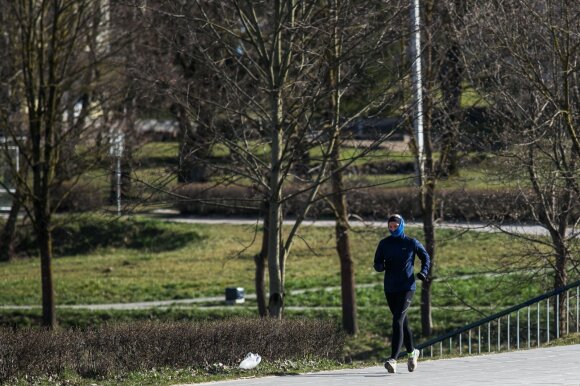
(544, 366)
(537, 230)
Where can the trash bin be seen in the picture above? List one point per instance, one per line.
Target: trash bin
(234, 295)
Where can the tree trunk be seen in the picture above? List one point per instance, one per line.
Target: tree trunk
(45, 247)
(450, 78)
(560, 280)
(276, 300)
(260, 262)
(278, 72)
(429, 231)
(42, 220)
(557, 227)
(189, 170)
(7, 239)
(347, 279)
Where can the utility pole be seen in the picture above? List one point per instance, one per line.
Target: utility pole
(417, 88)
(117, 145)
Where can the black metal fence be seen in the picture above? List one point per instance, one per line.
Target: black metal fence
(526, 325)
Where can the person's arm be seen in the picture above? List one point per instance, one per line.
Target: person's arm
(379, 263)
(425, 261)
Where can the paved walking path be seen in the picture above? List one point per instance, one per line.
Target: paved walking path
(175, 216)
(543, 366)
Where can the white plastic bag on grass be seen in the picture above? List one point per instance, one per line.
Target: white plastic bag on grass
(250, 361)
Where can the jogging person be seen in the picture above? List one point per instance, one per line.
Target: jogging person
(395, 256)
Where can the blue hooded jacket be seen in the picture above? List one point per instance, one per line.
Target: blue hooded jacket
(395, 255)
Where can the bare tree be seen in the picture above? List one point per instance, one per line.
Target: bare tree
(523, 56)
(264, 64)
(57, 68)
(347, 56)
(255, 64)
(442, 116)
(339, 204)
(450, 78)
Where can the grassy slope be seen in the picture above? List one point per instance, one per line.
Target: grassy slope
(151, 260)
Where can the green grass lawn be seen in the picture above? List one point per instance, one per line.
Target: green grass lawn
(104, 260)
(99, 260)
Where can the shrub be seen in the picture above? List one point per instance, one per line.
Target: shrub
(204, 199)
(384, 167)
(79, 198)
(451, 204)
(374, 202)
(118, 349)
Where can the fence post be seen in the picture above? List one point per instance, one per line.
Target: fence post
(567, 312)
(508, 333)
(518, 329)
(548, 320)
(557, 316)
(469, 339)
(479, 339)
(498, 334)
(538, 325)
(529, 327)
(488, 336)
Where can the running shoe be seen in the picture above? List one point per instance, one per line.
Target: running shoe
(391, 365)
(412, 361)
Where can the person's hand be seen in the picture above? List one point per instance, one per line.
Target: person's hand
(379, 267)
(422, 277)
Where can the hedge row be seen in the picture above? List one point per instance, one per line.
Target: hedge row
(86, 197)
(122, 348)
(370, 203)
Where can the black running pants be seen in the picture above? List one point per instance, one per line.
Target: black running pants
(399, 303)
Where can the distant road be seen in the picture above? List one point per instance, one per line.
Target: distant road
(174, 216)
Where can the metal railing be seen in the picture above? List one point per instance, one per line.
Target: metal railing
(532, 327)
